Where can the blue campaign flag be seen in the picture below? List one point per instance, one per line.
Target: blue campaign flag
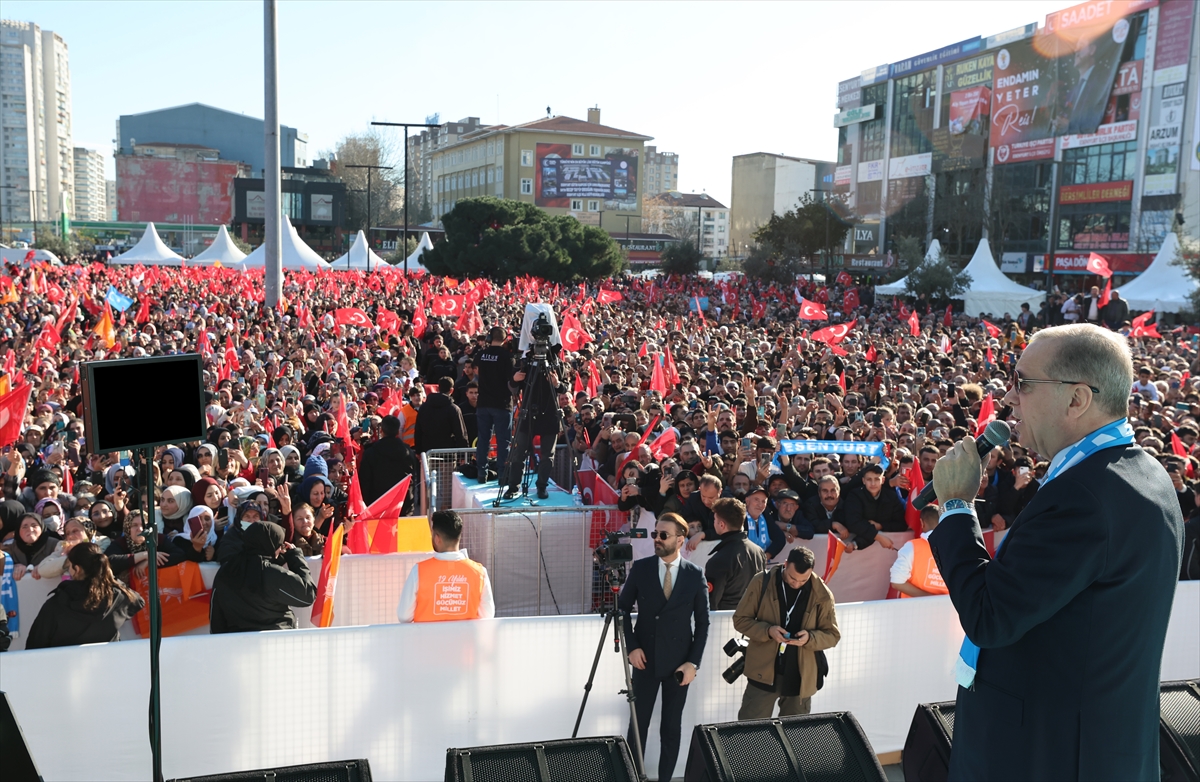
(700, 302)
(117, 300)
(874, 449)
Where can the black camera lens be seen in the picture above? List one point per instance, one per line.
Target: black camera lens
(732, 673)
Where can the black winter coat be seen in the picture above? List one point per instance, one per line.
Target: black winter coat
(384, 463)
(63, 620)
(236, 609)
(439, 425)
(734, 563)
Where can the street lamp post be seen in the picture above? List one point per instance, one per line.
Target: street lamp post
(826, 203)
(406, 126)
(347, 236)
(368, 234)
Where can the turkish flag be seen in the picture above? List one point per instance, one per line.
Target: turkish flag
(1098, 264)
(872, 354)
(987, 414)
(992, 329)
(231, 357)
(447, 306)
(914, 324)
(658, 379)
(948, 318)
(419, 322)
(989, 358)
(810, 310)
(664, 445)
(850, 300)
(831, 335)
(12, 413)
(54, 293)
(1140, 329)
(390, 504)
(844, 278)
(669, 365)
(1177, 446)
(1106, 296)
(842, 381)
(388, 320)
(608, 297)
(916, 482)
(143, 314)
(351, 316)
(573, 335)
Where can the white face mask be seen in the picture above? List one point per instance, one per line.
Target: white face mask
(53, 523)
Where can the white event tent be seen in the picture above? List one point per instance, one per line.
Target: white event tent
(414, 260)
(991, 291)
(17, 255)
(360, 256)
(897, 288)
(296, 254)
(222, 251)
(149, 251)
(1164, 286)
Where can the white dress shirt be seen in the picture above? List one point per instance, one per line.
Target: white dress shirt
(902, 567)
(408, 598)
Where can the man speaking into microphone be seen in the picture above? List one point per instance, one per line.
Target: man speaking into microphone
(1059, 673)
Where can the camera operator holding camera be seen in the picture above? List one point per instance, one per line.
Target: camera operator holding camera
(788, 614)
(539, 417)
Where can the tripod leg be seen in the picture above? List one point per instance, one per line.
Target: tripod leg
(587, 688)
(639, 761)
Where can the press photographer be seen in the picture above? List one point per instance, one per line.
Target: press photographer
(788, 615)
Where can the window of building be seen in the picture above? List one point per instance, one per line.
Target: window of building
(527, 157)
(577, 149)
(595, 150)
(491, 176)
(871, 133)
(526, 186)
(499, 146)
(593, 206)
(912, 113)
(499, 173)
(576, 204)
(1094, 226)
(293, 205)
(1099, 163)
(475, 179)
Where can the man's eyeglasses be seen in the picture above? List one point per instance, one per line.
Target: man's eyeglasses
(661, 535)
(1023, 384)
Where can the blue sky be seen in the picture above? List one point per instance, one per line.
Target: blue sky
(708, 80)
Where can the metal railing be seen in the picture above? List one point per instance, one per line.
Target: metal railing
(540, 561)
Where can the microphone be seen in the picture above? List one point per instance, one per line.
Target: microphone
(997, 433)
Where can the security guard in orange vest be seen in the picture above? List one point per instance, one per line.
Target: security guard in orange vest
(408, 415)
(448, 586)
(914, 573)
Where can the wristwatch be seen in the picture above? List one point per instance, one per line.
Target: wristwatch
(951, 506)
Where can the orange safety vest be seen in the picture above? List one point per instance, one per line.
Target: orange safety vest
(925, 573)
(408, 433)
(448, 590)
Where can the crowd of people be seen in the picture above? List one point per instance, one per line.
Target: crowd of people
(356, 374)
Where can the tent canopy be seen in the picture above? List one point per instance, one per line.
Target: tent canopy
(222, 251)
(898, 288)
(414, 260)
(1164, 286)
(296, 254)
(150, 251)
(991, 291)
(360, 256)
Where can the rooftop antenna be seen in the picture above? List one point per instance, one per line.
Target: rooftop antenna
(547, 111)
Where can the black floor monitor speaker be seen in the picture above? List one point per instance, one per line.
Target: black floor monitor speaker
(15, 760)
(1179, 731)
(927, 748)
(816, 748)
(600, 759)
(334, 771)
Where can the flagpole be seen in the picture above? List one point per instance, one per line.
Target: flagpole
(272, 186)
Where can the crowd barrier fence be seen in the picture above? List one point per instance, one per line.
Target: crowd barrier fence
(400, 695)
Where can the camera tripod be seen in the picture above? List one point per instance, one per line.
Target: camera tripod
(613, 577)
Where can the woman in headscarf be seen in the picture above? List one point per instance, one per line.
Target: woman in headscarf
(174, 506)
(129, 551)
(88, 609)
(207, 491)
(272, 461)
(171, 459)
(51, 511)
(32, 544)
(198, 540)
(252, 592)
(108, 520)
(11, 512)
(293, 466)
(77, 530)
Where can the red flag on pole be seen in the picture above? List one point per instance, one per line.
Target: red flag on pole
(987, 414)
(12, 413)
(916, 482)
(872, 354)
(948, 318)
(914, 324)
(1106, 296)
(1098, 264)
(811, 310)
(992, 329)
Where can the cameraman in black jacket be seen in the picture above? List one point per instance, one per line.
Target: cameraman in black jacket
(539, 417)
(735, 561)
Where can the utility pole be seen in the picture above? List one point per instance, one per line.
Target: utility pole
(406, 126)
(348, 244)
(826, 203)
(368, 234)
(9, 204)
(272, 174)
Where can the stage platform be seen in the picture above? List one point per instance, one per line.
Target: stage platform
(399, 695)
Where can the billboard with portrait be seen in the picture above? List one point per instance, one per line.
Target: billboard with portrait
(1068, 80)
(561, 177)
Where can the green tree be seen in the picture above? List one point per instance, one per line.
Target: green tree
(502, 239)
(766, 263)
(63, 248)
(238, 243)
(1188, 256)
(803, 232)
(938, 280)
(681, 258)
(397, 256)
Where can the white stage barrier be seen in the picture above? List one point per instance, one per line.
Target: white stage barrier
(399, 695)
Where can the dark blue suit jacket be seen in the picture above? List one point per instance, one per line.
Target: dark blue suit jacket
(1071, 617)
(664, 627)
